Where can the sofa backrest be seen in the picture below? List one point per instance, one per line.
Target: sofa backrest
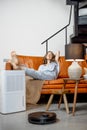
(31, 61)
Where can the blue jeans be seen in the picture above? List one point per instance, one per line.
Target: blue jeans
(39, 75)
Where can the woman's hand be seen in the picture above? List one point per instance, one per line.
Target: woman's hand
(57, 55)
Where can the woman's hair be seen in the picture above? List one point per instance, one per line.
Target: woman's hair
(45, 59)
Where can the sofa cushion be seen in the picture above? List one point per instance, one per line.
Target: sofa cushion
(63, 67)
(60, 81)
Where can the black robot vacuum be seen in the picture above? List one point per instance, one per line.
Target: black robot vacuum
(42, 117)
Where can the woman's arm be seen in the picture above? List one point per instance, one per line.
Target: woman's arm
(57, 55)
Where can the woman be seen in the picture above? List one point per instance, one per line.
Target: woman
(47, 71)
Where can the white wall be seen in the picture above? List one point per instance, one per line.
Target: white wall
(24, 24)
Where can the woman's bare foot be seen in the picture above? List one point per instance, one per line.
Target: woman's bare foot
(15, 66)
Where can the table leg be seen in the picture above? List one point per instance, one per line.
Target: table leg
(75, 97)
(60, 100)
(66, 103)
(49, 101)
(64, 97)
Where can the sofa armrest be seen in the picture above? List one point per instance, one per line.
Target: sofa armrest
(8, 66)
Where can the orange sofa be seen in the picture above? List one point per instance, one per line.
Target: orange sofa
(50, 85)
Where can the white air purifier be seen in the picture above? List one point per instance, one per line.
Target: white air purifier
(12, 91)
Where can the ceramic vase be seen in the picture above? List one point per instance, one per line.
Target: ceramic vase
(74, 70)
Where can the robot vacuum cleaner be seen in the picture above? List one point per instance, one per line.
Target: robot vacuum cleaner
(42, 117)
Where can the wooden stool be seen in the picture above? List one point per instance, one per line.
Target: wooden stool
(62, 93)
